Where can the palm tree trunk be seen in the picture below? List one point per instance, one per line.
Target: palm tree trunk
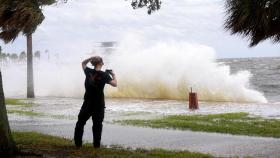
(7, 145)
(30, 83)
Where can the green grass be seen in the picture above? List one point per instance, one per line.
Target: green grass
(27, 112)
(50, 146)
(62, 117)
(21, 103)
(10, 101)
(38, 114)
(18, 102)
(23, 112)
(231, 123)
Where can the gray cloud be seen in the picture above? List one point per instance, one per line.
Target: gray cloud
(76, 26)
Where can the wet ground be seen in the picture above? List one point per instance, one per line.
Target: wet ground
(136, 137)
(65, 111)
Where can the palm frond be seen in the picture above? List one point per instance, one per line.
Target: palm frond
(18, 16)
(152, 5)
(46, 2)
(256, 20)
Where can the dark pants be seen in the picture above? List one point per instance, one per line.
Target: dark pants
(97, 113)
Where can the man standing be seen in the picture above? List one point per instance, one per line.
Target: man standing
(94, 104)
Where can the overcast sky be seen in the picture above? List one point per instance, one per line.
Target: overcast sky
(77, 25)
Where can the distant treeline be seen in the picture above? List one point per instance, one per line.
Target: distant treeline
(14, 57)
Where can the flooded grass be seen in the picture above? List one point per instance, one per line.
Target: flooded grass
(38, 114)
(19, 102)
(26, 113)
(50, 146)
(231, 123)
(62, 117)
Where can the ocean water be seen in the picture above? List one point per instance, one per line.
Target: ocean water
(265, 71)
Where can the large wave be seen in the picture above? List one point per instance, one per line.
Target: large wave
(163, 70)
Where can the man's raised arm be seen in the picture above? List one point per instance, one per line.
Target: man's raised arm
(84, 63)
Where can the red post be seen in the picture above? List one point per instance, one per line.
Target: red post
(193, 101)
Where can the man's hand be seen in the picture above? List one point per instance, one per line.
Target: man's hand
(114, 81)
(84, 63)
(112, 73)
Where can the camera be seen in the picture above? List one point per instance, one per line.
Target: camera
(109, 71)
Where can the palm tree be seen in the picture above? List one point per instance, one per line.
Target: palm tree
(21, 16)
(17, 16)
(30, 82)
(257, 20)
(7, 144)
